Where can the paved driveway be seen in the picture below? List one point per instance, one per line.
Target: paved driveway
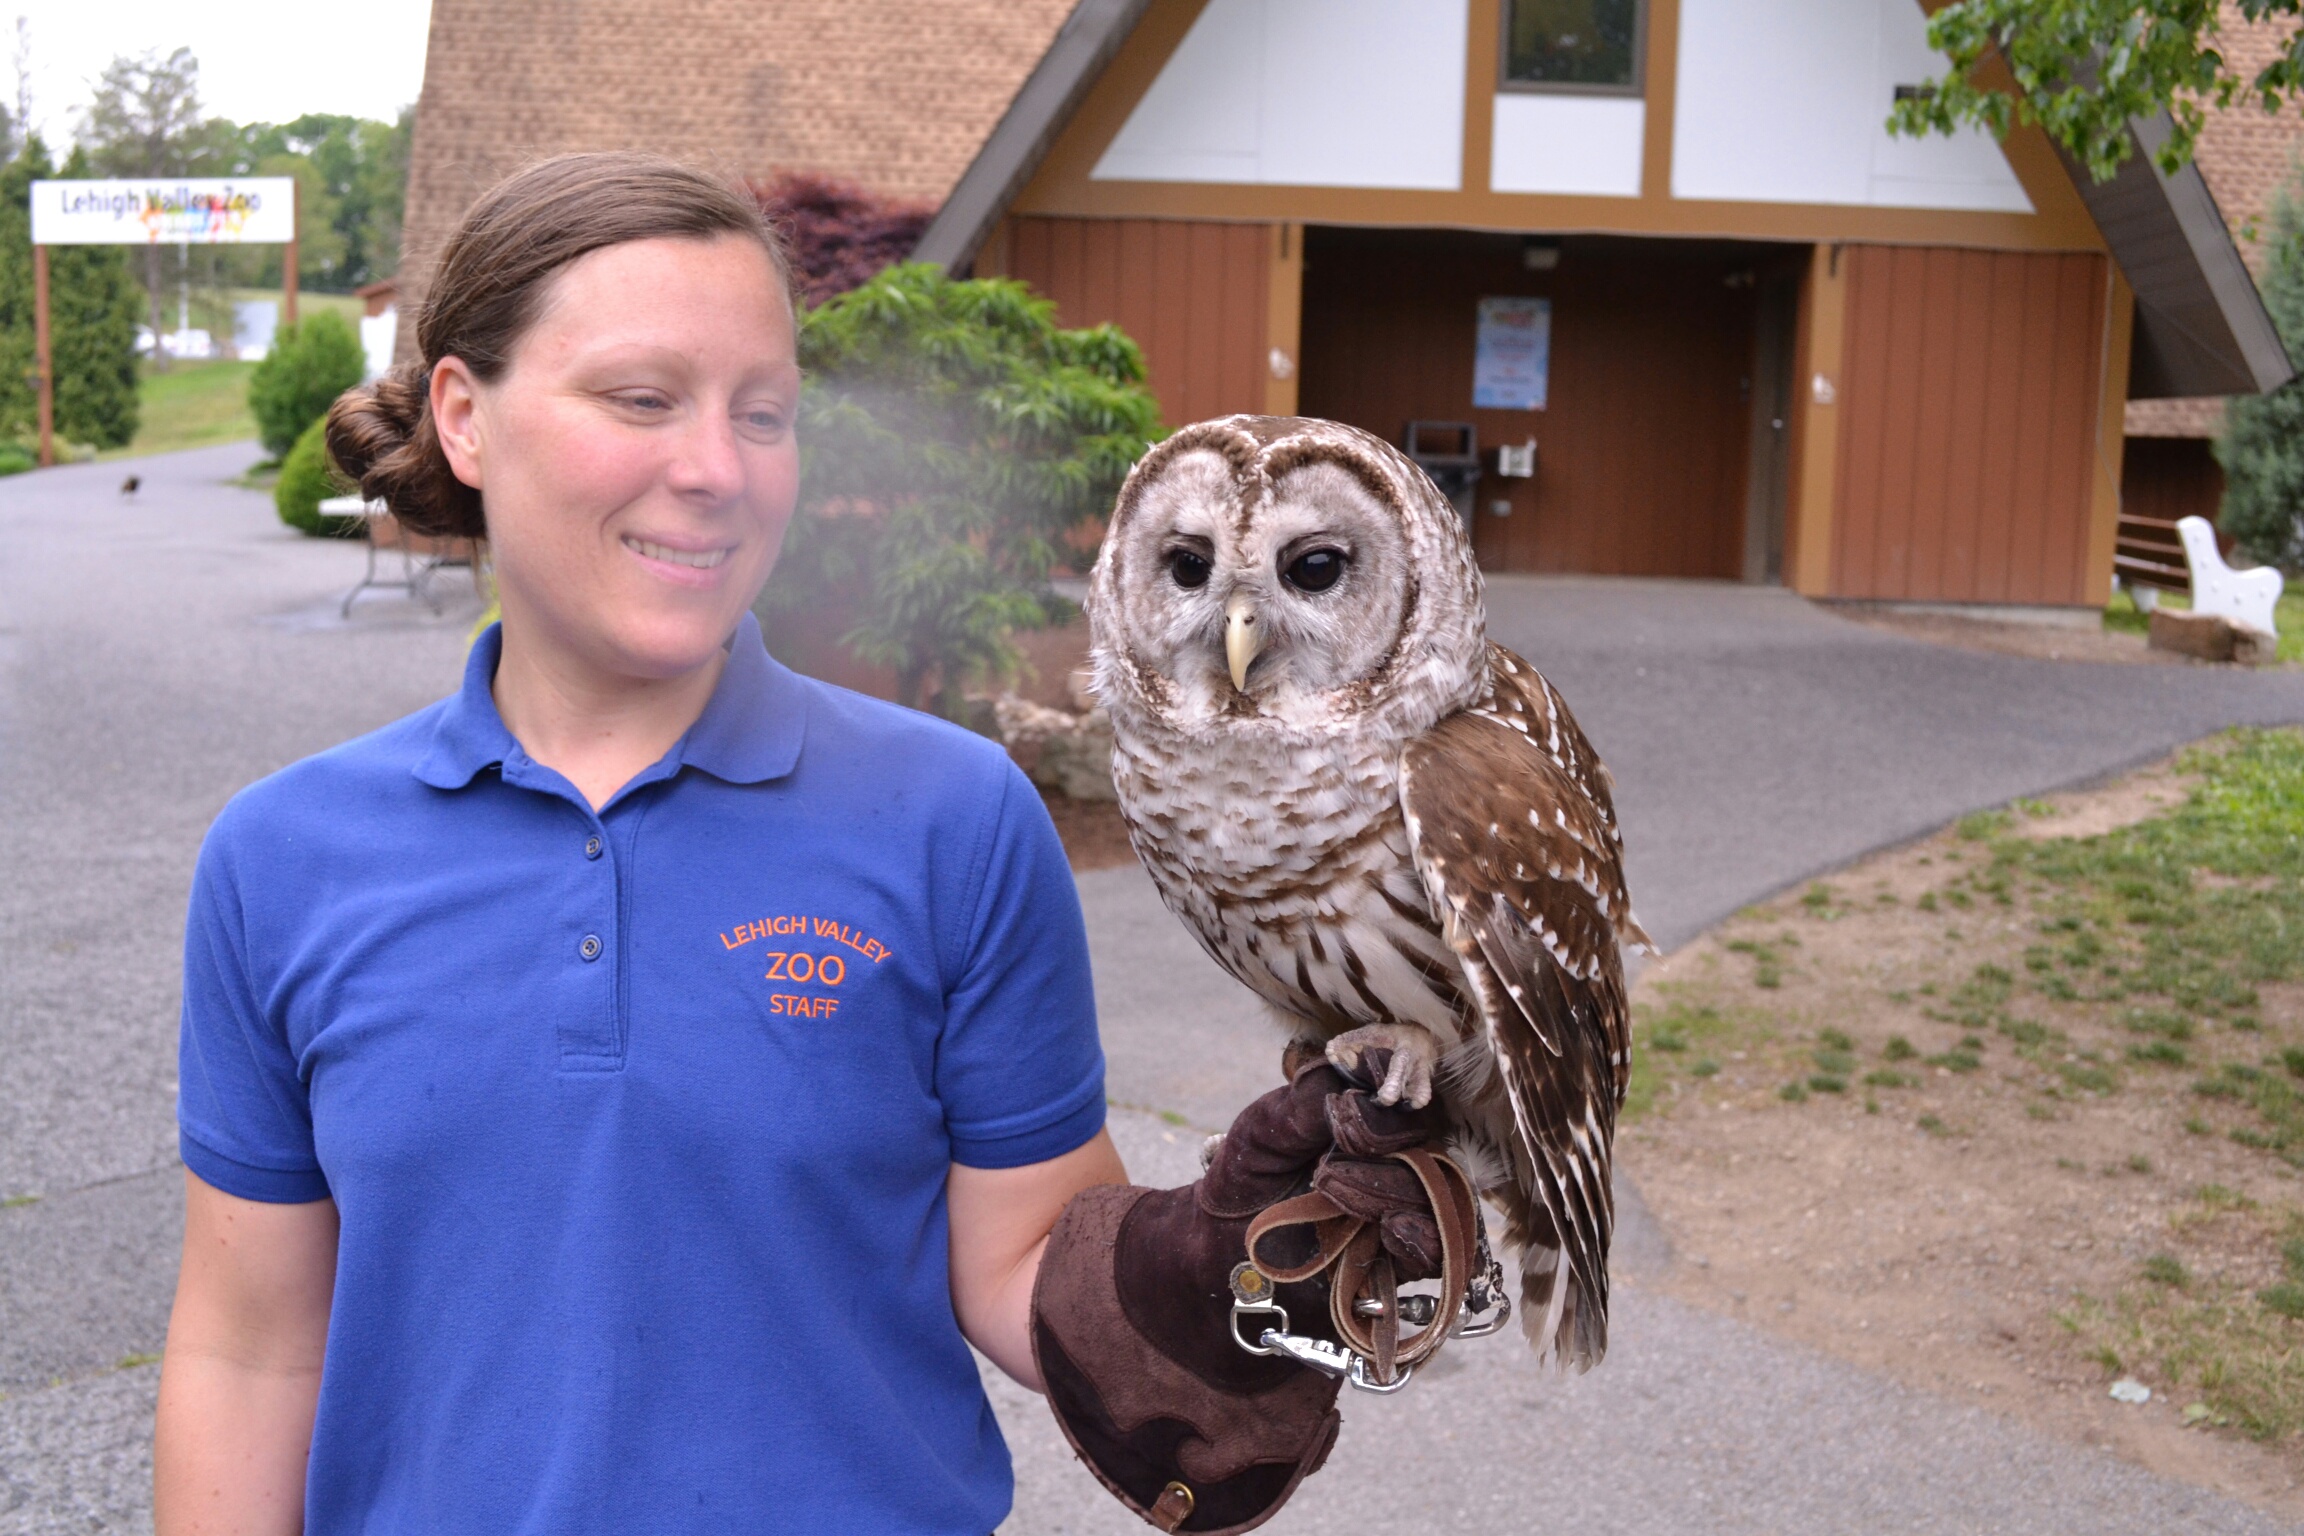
(158, 653)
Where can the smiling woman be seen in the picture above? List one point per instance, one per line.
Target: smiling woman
(513, 1165)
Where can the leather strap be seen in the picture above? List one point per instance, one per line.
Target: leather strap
(1353, 1247)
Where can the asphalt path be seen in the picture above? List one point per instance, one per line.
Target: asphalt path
(159, 651)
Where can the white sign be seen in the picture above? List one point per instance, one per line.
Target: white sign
(1512, 361)
(183, 210)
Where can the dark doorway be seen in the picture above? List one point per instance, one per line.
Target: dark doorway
(1644, 457)
(1775, 326)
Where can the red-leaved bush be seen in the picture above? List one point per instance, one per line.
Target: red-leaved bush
(840, 234)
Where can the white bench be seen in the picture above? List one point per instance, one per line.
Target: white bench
(2244, 597)
(420, 554)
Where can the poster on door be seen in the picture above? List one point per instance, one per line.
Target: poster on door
(1512, 362)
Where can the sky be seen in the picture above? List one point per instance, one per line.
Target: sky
(260, 60)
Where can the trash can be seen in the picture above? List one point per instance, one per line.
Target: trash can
(1449, 452)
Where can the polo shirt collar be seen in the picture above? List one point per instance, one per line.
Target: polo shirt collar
(750, 731)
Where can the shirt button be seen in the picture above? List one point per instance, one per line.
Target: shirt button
(590, 948)
(591, 847)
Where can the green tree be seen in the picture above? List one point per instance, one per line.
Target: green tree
(310, 364)
(352, 180)
(951, 437)
(2081, 69)
(92, 303)
(145, 120)
(2262, 448)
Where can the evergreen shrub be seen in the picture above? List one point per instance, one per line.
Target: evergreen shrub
(92, 309)
(310, 364)
(307, 478)
(955, 446)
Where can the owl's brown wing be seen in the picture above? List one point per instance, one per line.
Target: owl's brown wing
(1517, 845)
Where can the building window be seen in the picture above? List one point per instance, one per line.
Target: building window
(1573, 45)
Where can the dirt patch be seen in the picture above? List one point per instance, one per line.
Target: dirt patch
(1094, 835)
(2041, 642)
(1960, 1115)
(2134, 797)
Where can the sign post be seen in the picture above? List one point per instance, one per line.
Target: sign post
(42, 358)
(186, 211)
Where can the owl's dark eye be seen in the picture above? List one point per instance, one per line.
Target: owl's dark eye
(1316, 570)
(1189, 569)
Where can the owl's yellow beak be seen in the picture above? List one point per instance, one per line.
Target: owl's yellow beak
(1243, 638)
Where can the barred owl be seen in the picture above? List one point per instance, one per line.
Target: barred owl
(1388, 827)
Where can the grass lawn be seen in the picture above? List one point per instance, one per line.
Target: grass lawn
(191, 405)
(194, 405)
(308, 303)
(2121, 614)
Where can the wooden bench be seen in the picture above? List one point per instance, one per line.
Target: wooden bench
(421, 554)
(2148, 557)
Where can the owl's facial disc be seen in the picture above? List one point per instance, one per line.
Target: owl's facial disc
(1276, 602)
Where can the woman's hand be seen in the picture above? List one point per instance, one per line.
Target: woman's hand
(241, 1378)
(1001, 1218)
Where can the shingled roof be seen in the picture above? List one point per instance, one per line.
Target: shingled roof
(2245, 155)
(896, 94)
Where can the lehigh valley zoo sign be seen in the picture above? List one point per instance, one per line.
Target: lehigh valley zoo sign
(255, 210)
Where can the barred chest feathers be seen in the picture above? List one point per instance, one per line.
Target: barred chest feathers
(1308, 895)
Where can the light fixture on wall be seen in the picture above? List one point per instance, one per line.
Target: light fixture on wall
(1539, 255)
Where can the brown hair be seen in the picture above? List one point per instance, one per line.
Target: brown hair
(484, 295)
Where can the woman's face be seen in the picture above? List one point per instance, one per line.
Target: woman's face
(636, 456)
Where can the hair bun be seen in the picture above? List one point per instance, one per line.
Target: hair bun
(381, 437)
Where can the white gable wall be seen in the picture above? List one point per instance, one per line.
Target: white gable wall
(1784, 101)
(1777, 101)
(1320, 93)
(1568, 143)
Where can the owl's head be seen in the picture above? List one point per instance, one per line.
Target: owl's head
(1284, 571)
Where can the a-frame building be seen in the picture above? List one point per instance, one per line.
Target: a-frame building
(1783, 344)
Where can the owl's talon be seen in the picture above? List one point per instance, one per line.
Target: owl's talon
(1408, 1077)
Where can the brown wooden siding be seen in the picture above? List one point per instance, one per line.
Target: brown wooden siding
(1641, 450)
(1968, 404)
(1192, 295)
(2170, 477)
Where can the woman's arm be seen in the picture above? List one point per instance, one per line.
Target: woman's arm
(1001, 1218)
(241, 1378)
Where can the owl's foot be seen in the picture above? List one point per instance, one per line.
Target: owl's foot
(1408, 1076)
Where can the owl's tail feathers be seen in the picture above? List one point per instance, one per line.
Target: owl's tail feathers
(1563, 1312)
(1635, 938)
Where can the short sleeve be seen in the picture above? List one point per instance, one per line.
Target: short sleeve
(244, 1118)
(1019, 1068)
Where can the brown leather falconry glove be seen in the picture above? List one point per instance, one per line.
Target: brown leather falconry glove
(1132, 1311)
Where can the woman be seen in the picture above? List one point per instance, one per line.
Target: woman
(604, 1090)
(614, 1098)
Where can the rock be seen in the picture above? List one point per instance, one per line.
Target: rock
(1078, 762)
(2254, 647)
(1070, 754)
(2208, 636)
(1080, 686)
(1024, 723)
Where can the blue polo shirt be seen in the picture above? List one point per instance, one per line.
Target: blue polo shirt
(639, 1121)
